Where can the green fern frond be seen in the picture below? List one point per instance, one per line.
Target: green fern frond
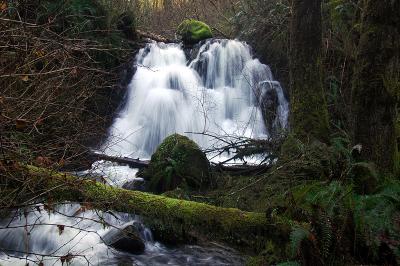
(326, 233)
(297, 235)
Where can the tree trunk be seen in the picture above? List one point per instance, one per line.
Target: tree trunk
(170, 219)
(376, 84)
(309, 112)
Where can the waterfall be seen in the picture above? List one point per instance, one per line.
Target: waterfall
(222, 91)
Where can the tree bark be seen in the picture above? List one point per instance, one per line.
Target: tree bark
(171, 219)
(376, 84)
(309, 112)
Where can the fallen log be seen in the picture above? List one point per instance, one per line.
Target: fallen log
(134, 163)
(242, 169)
(155, 37)
(170, 219)
(137, 163)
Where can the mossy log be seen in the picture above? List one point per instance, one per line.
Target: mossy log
(170, 219)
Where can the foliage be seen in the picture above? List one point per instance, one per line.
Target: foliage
(297, 235)
(73, 16)
(193, 31)
(334, 211)
(377, 218)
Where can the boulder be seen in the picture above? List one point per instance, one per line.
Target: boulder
(269, 106)
(193, 31)
(126, 239)
(177, 162)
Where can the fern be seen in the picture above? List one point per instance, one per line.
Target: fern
(326, 233)
(375, 217)
(297, 235)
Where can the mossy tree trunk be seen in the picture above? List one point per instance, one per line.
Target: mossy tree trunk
(309, 112)
(376, 84)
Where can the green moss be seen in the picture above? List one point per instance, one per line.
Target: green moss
(170, 219)
(178, 161)
(308, 106)
(193, 31)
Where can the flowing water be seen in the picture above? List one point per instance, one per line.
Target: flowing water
(223, 90)
(220, 92)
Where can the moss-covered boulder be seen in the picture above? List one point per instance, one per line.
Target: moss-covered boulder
(193, 31)
(178, 162)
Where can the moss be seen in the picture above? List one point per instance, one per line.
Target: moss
(309, 112)
(373, 101)
(178, 220)
(178, 161)
(193, 31)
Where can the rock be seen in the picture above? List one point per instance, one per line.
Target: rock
(178, 161)
(136, 184)
(193, 31)
(126, 239)
(269, 105)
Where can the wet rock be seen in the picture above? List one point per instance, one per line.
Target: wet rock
(136, 184)
(269, 105)
(193, 31)
(126, 239)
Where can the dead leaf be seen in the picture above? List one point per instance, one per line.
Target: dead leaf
(21, 123)
(43, 161)
(24, 78)
(61, 162)
(3, 5)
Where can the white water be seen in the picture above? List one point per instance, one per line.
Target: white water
(35, 237)
(219, 92)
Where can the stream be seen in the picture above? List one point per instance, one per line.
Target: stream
(217, 88)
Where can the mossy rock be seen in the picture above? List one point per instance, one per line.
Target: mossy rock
(177, 162)
(193, 31)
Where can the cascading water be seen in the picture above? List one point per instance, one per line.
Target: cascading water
(223, 90)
